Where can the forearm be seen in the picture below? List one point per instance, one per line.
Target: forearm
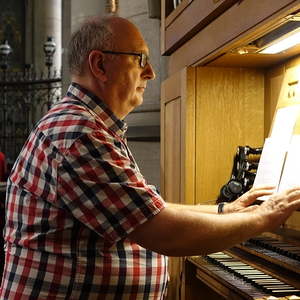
(181, 232)
(207, 233)
(211, 209)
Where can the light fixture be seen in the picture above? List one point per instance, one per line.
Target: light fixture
(281, 37)
(5, 51)
(290, 40)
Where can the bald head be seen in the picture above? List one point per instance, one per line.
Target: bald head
(109, 57)
(101, 33)
(124, 32)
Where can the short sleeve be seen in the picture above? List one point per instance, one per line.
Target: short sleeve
(103, 188)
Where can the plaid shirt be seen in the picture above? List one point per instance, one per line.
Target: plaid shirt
(74, 195)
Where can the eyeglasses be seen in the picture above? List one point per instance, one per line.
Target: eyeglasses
(144, 58)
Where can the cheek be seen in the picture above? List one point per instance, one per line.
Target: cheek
(130, 84)
(127, 82)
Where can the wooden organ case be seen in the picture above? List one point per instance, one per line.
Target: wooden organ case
(221, 93)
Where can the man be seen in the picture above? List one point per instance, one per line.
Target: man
(82, 223)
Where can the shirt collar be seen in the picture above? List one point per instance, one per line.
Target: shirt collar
(78, 92)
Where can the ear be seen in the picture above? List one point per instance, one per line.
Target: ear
(95, 61)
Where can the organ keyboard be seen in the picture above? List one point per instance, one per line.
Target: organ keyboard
(263, 268)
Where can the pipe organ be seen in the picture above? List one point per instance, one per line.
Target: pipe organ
(223, 91)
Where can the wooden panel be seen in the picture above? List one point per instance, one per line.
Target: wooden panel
(176, 12)
(170, 90)
(273, 83)
(178, 152)
(237, 26)
(290, 88)
(196, 289)
(189, 18)
(172, 151)
(180, 86)
(188, 139)
(229, 113)
(171, 177)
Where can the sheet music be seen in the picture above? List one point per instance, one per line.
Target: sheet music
(290, 175)
(284, 122)
(270, 164)
(274, 155)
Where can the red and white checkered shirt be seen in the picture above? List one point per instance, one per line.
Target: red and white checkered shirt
(74, 195)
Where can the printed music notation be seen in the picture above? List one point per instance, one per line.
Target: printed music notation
(279, 163)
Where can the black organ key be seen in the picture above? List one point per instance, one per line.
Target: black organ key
(280, 247)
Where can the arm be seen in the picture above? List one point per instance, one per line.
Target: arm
(181, 232)
(210, 209)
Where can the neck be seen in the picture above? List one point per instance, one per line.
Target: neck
(105, 96)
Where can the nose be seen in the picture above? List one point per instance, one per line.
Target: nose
(148, 72)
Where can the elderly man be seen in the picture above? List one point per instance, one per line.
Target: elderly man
(82, 223)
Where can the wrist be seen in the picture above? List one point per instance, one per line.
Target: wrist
(221, 208)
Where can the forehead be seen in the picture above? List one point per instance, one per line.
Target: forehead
(129, 38)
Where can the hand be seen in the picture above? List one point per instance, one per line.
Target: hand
(279, 207)
(242, 203)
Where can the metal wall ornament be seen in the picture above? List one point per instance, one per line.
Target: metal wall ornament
(24, 97)
(112, 6)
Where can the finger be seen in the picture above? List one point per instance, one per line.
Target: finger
(252, 195)
(295, 205)
(257, 193)
(263, 187)
(291, 194)
(292, 190)
(294, 195)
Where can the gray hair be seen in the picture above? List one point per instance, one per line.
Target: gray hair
(94, 34)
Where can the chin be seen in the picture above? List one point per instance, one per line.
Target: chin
(137, 102)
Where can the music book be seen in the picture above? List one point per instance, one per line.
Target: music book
(279, 163)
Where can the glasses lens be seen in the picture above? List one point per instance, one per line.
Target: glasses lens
(144, 60)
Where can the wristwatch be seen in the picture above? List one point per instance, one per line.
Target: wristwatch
(221, 207)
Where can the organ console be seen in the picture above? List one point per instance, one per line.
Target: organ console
(266, 267)
(220, 92)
